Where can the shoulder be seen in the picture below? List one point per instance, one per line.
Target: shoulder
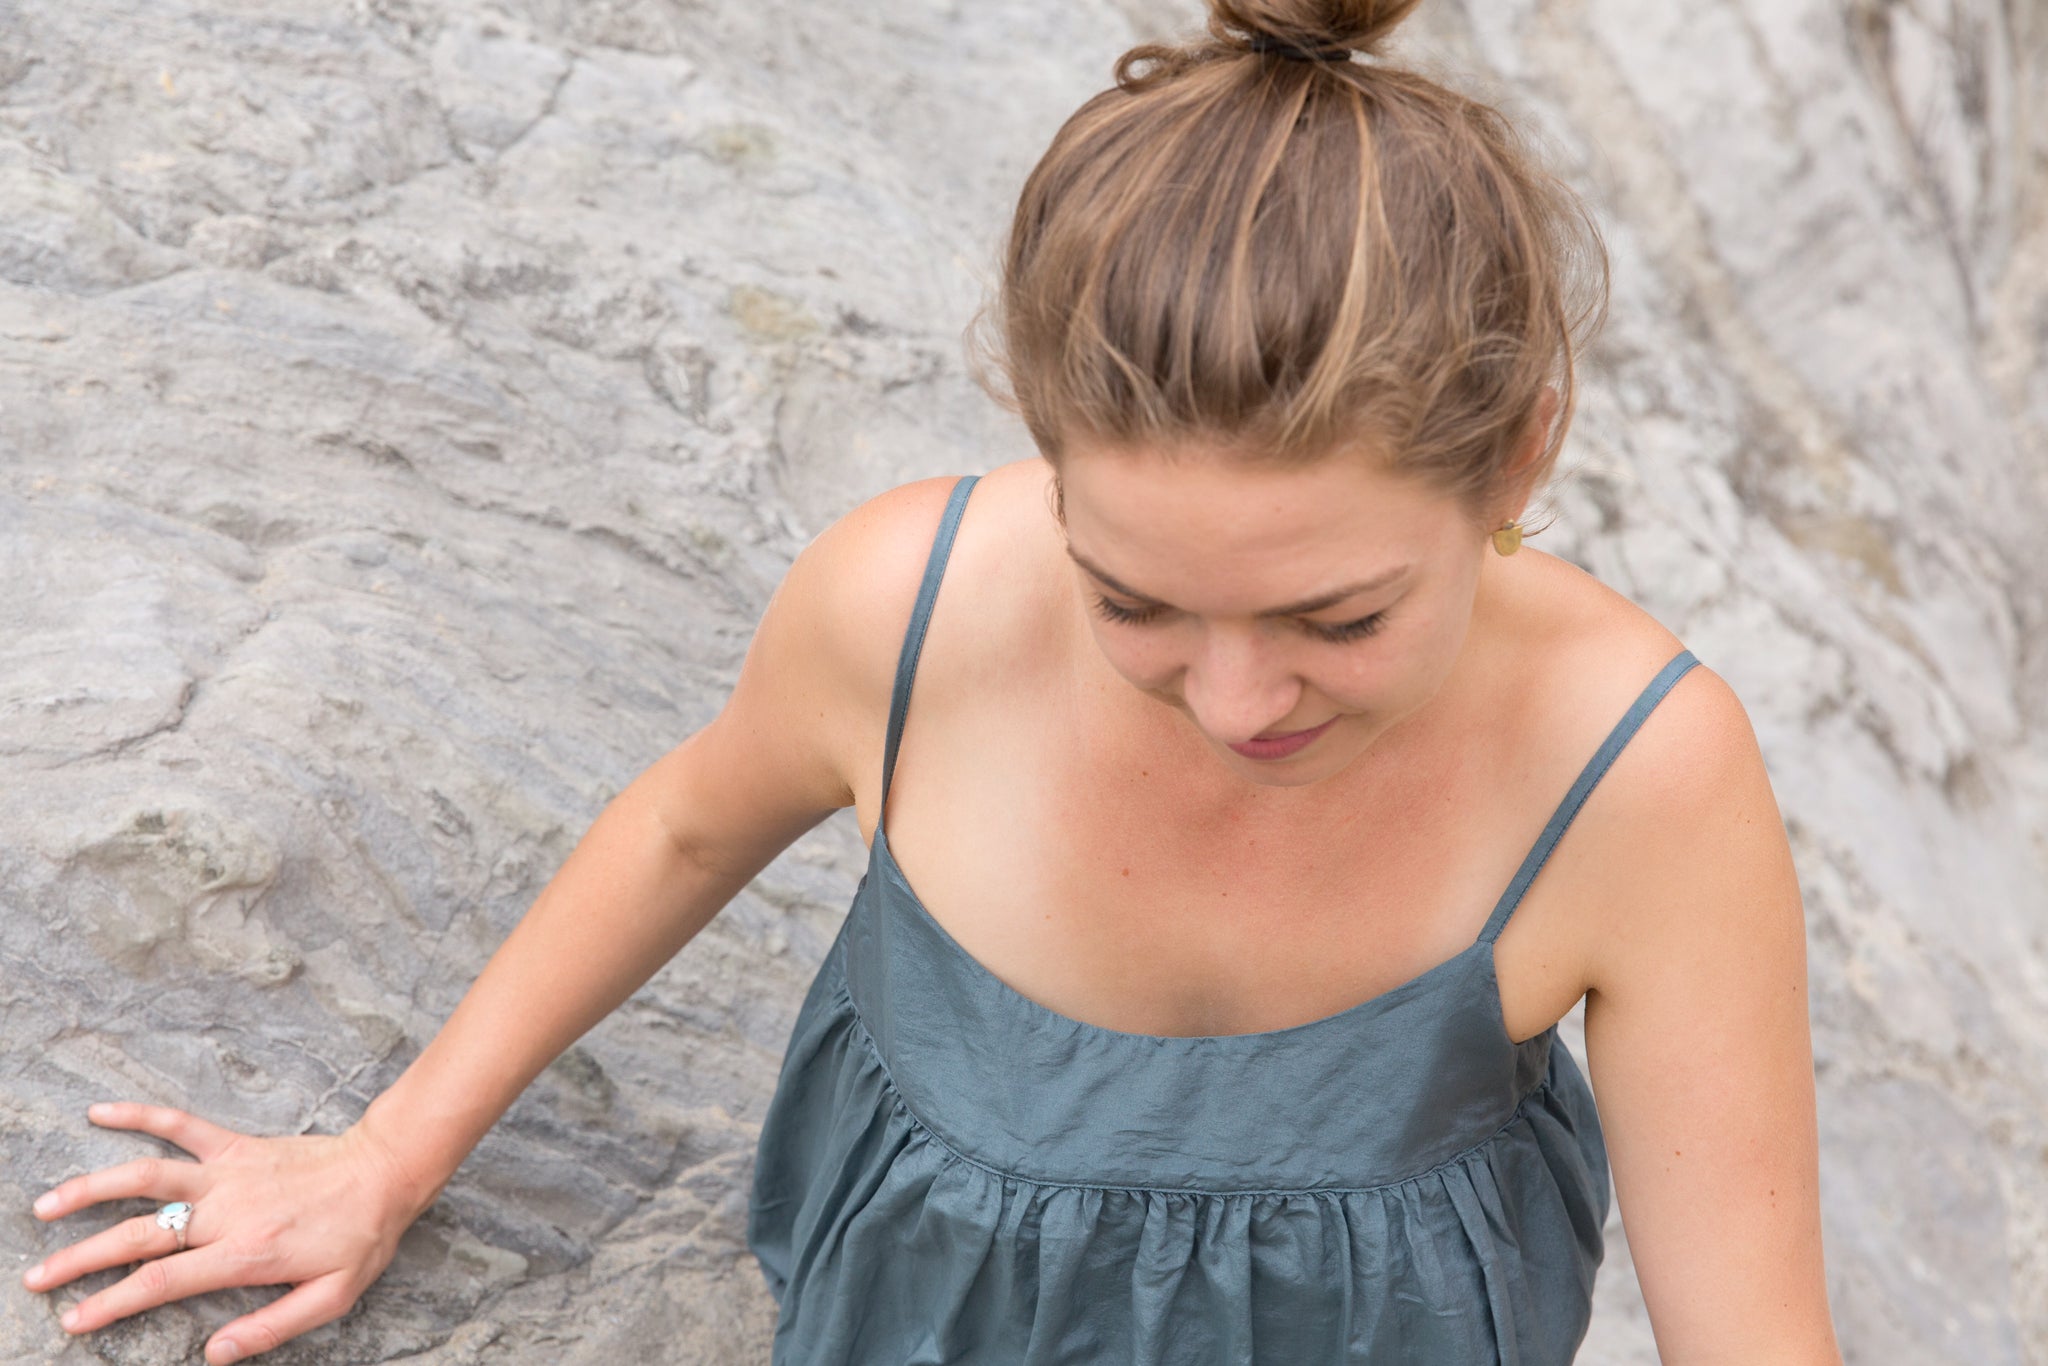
(804, 722)
(1697, 1029)
(1693, 825)
(859, 576)
(1692, 849)
(1695, 754)
(1602, 652)
(847, 601)
(1683, 814)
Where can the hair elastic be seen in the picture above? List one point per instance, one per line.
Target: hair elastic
(1280, 47)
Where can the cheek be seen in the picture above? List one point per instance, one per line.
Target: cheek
(1357, 679)
(1388, 673)
(1145, 659)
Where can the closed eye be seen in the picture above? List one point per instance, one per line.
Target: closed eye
(1350, 630)
(1339, 633)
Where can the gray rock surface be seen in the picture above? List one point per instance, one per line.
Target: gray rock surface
(407, 406)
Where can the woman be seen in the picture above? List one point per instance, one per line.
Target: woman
(1265, 808)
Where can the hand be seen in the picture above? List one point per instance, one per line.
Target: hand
(322, 1213)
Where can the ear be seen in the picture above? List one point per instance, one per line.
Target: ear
(1519, 477)
(1056, 498)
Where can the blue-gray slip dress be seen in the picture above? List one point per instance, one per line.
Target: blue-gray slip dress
(949, 1172)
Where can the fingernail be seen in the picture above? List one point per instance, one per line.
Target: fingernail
(70, 1319)
(46, 1202)
(224, 1352)
(33, 1274)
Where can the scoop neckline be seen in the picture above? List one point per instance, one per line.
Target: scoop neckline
(880, 852)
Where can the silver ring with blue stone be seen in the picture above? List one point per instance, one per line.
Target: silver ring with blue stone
(174, 1217)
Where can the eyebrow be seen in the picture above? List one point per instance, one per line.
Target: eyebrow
(1293, 609)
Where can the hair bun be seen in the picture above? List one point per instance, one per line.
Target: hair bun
(1360, 25)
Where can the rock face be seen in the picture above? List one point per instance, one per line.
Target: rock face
(407, 407)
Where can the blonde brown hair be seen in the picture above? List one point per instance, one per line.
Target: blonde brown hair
(1295, 257)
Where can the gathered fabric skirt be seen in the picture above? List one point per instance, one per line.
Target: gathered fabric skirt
(883, 1242)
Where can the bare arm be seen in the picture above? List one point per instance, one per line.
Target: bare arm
(323, 1213)
(680, 842)
(1700, 1049)
(629, 897)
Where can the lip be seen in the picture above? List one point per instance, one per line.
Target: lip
(1281, 746)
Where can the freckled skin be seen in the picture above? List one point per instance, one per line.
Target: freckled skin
(1220, 544)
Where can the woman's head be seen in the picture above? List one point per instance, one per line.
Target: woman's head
(1259, 600)
(1294, 260)
(1280, 325)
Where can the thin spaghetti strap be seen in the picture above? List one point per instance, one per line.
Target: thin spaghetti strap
(913, 638)
(1595, 768)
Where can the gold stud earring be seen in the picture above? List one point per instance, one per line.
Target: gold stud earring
(1508, 539)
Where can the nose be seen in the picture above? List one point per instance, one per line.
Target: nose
(1237, 687)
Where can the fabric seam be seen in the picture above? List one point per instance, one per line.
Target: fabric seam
(844, 993)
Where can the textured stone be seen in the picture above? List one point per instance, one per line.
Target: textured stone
(407, 407)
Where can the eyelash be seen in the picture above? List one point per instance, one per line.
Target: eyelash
(1339, 634)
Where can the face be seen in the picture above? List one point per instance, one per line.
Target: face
(1333, 598)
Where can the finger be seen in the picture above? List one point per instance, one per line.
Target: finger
(161, 1178)
(158, 1281)
(320, 1300)
(203, 1140)
(131, 1240)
